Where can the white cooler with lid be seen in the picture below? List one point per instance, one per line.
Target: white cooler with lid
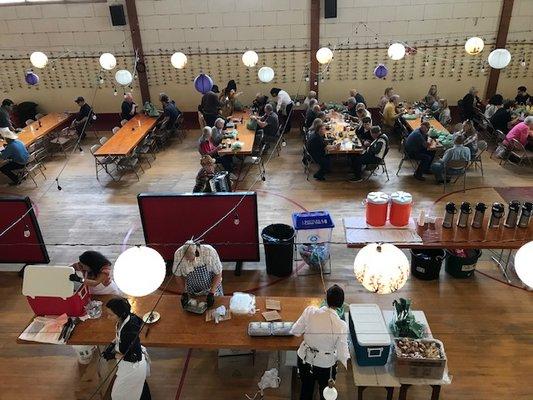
(370, 335)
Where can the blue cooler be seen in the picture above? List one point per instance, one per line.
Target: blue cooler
(370, 335)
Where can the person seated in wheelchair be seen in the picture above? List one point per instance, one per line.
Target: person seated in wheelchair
(374, 154)
(459, 152)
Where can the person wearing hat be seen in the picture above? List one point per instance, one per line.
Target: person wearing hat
(82, 118)
(206, 173)
(5, 110)
(14, 153)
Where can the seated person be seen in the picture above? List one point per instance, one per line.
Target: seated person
(374, 153)
(5, 114)
(206, 173)
(171, 113)
(470, 136)
(316, 146)
(391, 115)
(15, 154)
(389, 92)
(97, 273)
(351, 105)
(416, 146)
(470, 104)
(361, 111)
(307, 101)
(198, 272)
(443, 113)
(128, 108)
(206, 147)
(502, 119)
(259, 103)
(357, 96)
(495, 103)
(523, 132)
(457, 153)
(82, 118)
(269, 122)
(311, 114)
(363, 132)
(522, 97)
(217, 133)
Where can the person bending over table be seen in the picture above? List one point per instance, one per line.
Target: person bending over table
(198, 272)
(458, 152)
(523, 132)
(206, 147)
(374, 153)
(391, 115)
(363, 132)
(82, 118)
(316, 146)
(5, 109)
(171, 113)
(130, 382)
(97, 273)
(325, 342)
(128, 109)
(503, 117)
(284, 104)
(15, 154)
(269, 122)
(417, 147)
(206, 173)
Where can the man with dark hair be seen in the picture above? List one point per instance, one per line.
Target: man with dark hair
(171, 113)
(374, 154)
(5, 110)
(284, 106)
(83, 117)
(503, 118)
(522, 96)
(416, 146)
(210, 107)
(269, 122)
(325, 343)
(363, 132)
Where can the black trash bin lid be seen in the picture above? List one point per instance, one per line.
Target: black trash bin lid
(277, 233)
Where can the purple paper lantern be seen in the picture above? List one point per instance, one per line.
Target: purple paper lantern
(381, 71)
(31, 78)
(203, 83)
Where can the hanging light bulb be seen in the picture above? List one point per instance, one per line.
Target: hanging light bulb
(329, 392)
(324, 55)
(396, 51)
(236, 219)
(523, 265)
(265, 74)
(115, 93)
(474, 45)
(381, 267)
(250, 58)
(178, 60)
(38, 59)
(523, 62)
(499, 58)
(108, 61)
(27, 231)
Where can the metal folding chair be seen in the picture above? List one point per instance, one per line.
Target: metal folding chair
(517, 151)
(102, 163)
(477, 159)
(405, 157)
(458, 166)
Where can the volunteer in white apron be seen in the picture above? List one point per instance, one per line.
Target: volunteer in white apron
(134, 365)
(97, 273)
(199, 273)
(325, 342)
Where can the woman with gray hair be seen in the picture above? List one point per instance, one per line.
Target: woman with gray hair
(218, 131)
(207, 147)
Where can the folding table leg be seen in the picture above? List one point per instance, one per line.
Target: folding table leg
(403, 392)
(435, 392)
(390, 392)
(360, 390)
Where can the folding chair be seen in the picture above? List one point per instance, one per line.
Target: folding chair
(30, 169)
(180, 132)
(258, 152)
(518, 151)
(115, 129)
(62, 140)
(307, 160)
(477, 159)
(405, 157)
(102, 163)
(375, 167)
(458, 166)
(38, 116)
(130, 163)
(500, 137)
(123, 122)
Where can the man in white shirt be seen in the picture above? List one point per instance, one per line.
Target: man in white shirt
(325, 342)
(284, 104)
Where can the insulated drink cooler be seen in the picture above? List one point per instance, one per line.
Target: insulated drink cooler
(377, 204)
(400, 208)
(370, 335)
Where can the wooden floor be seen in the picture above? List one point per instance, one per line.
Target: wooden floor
(486, 325)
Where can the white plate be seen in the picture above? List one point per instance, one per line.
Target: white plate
(155, 317)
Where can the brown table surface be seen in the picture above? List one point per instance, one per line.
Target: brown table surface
(128, 137)
(454, 238)
(179, 328)
(415, 123)
(49, 123)
(246, 136)
(339, 134)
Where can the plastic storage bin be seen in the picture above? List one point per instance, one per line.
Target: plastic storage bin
(462, 267)
(313, 235)
(426, 263)
(370, 335)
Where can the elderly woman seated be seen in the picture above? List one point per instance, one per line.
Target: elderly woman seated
(206, 173)
(207, 147)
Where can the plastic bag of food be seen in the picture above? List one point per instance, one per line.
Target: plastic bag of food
(242, 303)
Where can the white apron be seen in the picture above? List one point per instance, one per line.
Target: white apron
(131, 376)
(112, 288)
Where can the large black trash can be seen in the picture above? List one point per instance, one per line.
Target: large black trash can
(278, 240)
(462, 267)
(426, 263)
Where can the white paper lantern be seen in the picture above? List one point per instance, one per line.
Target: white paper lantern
(178, 60)
(139, 271)
(474, 45)
(330, 393)
(396, 51)
(324, 55)
(250, 58)
(38, 59)
(523, 264)
(381, 268)
(499, 58)
(123, 77)
(265, 74)
(108, 61)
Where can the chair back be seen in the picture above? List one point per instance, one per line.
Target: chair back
(518, 148)
(115, 129)
(457, 164)
(123, 122)
(29, 122)
(94, 148)
(102, 140)
(500, 135)
(39, 116)
(481, 147)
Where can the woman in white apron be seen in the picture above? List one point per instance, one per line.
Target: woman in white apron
(97, 273)
(198, 272)
(133, 368)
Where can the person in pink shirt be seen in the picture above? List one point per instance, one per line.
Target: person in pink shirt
(521, 132)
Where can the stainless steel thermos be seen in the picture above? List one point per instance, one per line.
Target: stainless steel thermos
(477, 221)
(449, 215)
(527, 208)
(496, 215)
(512, 215)
(466, 210)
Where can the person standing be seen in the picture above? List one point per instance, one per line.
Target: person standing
(5, 110)
(325, 342)
(128, 107)
(15, 154)
(133, 367)
(416, 147)
(470, 104)
(210, 107)
(284, 105)
(82, 118)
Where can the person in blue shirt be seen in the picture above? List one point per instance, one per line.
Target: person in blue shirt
(416, 146)
(15, 154)
(458, 152)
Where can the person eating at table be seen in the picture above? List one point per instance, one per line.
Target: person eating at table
(128, 107)
(316, 146)
(82, 118)
(132, 370)
(310, 96)
(171, 113)
(522, 97)
(351, 108)
(361, 111)
(205, 174)
(217, 132)
(502, 119)
(470, 104)
(391, 113)
(198, 272)
(357, 96)
(259, 103)
(363, 132)
(495, 103)
(385, 98)
(269, 122)
(523, 132)
(470, 137)
(96, 272)
(15, 154)
(284, 105)
(325, 343)
(374, 154)
(206, 147)
(443, 113)
(312, 113)
(458, 152)
(5, 114)
(417, 148)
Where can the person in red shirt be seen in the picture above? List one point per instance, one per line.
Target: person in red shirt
(206, 147)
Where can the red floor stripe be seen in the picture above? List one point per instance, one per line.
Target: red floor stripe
(183, 374)
(459, 191)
